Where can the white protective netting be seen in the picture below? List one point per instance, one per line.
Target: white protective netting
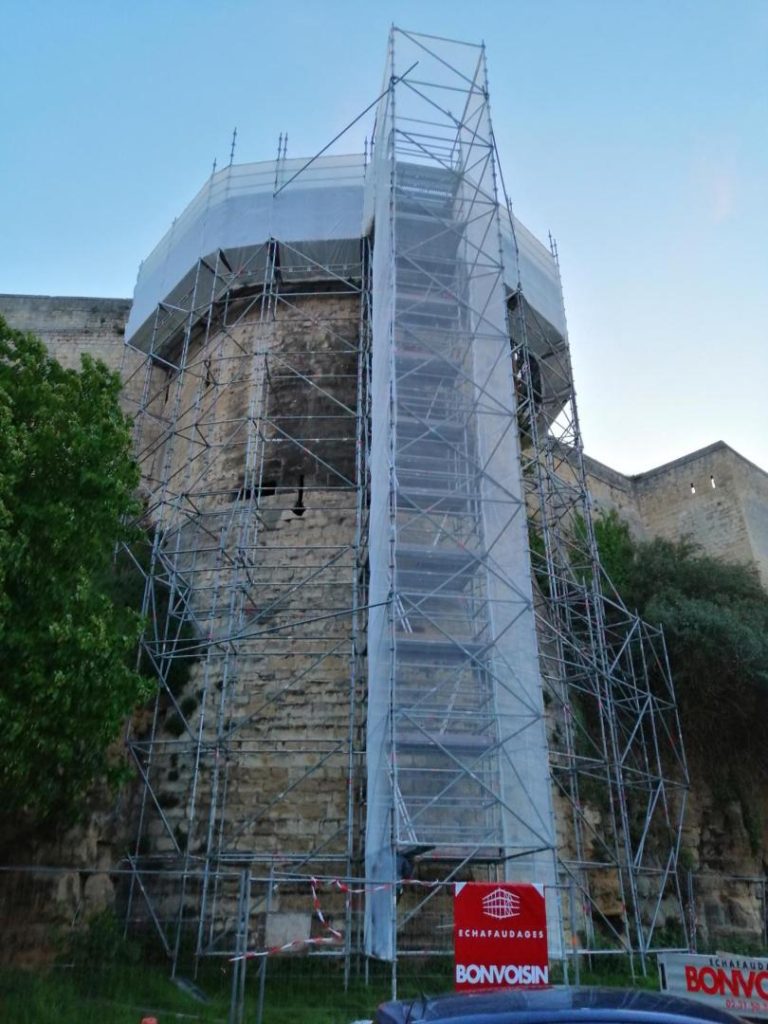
(317, 211)
(457, 753)
(246, 205)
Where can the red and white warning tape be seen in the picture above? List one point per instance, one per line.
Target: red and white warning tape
(334, 936)
(416, 882)
(320, 916)
(289, 947)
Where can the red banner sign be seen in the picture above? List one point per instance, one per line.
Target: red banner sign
(499, 935)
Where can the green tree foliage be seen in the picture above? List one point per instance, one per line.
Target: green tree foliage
(715, 619)
(67, 481)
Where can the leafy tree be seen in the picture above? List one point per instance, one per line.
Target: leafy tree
(67, 482)
(715, 619)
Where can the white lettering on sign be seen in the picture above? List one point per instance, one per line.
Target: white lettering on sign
(501, 974)
(510, 951)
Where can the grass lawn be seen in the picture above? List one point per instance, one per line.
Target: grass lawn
(298, 990)
(120, 995)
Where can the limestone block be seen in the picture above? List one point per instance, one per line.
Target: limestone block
(78, 846)
(744, 912)
(66, 895)
(285, 927)
(98, 894)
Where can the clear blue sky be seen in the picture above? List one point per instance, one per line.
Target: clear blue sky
(635, 130)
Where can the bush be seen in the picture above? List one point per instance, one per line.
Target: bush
(715, 620)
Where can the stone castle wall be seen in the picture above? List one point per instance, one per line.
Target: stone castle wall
(713, 496)
(72, 327)
(612, 490)
(261, 403)
(289, 702)
(729, 520)
(248, 466)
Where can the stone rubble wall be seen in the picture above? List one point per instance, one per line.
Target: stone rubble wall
(73, 327)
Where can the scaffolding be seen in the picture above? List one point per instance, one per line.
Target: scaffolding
(461, 748)
(616, 753)
(385, 645)
(251, 429)
(456, 750)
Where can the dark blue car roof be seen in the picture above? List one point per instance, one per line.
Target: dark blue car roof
(556, 1004)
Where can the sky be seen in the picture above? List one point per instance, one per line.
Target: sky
(635, 131)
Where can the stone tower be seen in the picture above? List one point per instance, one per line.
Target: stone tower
(383, 645)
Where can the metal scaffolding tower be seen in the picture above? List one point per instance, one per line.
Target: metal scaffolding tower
(458, 771)
(616, 752)
(457, 759)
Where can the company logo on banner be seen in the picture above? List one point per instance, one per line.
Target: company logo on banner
(501, 904)
(499, 935)
(732, 982)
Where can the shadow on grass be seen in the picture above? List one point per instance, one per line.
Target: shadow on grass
(118, 995)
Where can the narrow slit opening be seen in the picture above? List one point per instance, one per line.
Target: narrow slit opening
(298, 508)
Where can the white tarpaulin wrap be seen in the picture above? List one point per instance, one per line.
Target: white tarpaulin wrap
(457, 754)
(319, 217)
(380, 859)
(246, 205)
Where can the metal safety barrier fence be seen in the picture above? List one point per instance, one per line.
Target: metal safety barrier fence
(85, 944)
